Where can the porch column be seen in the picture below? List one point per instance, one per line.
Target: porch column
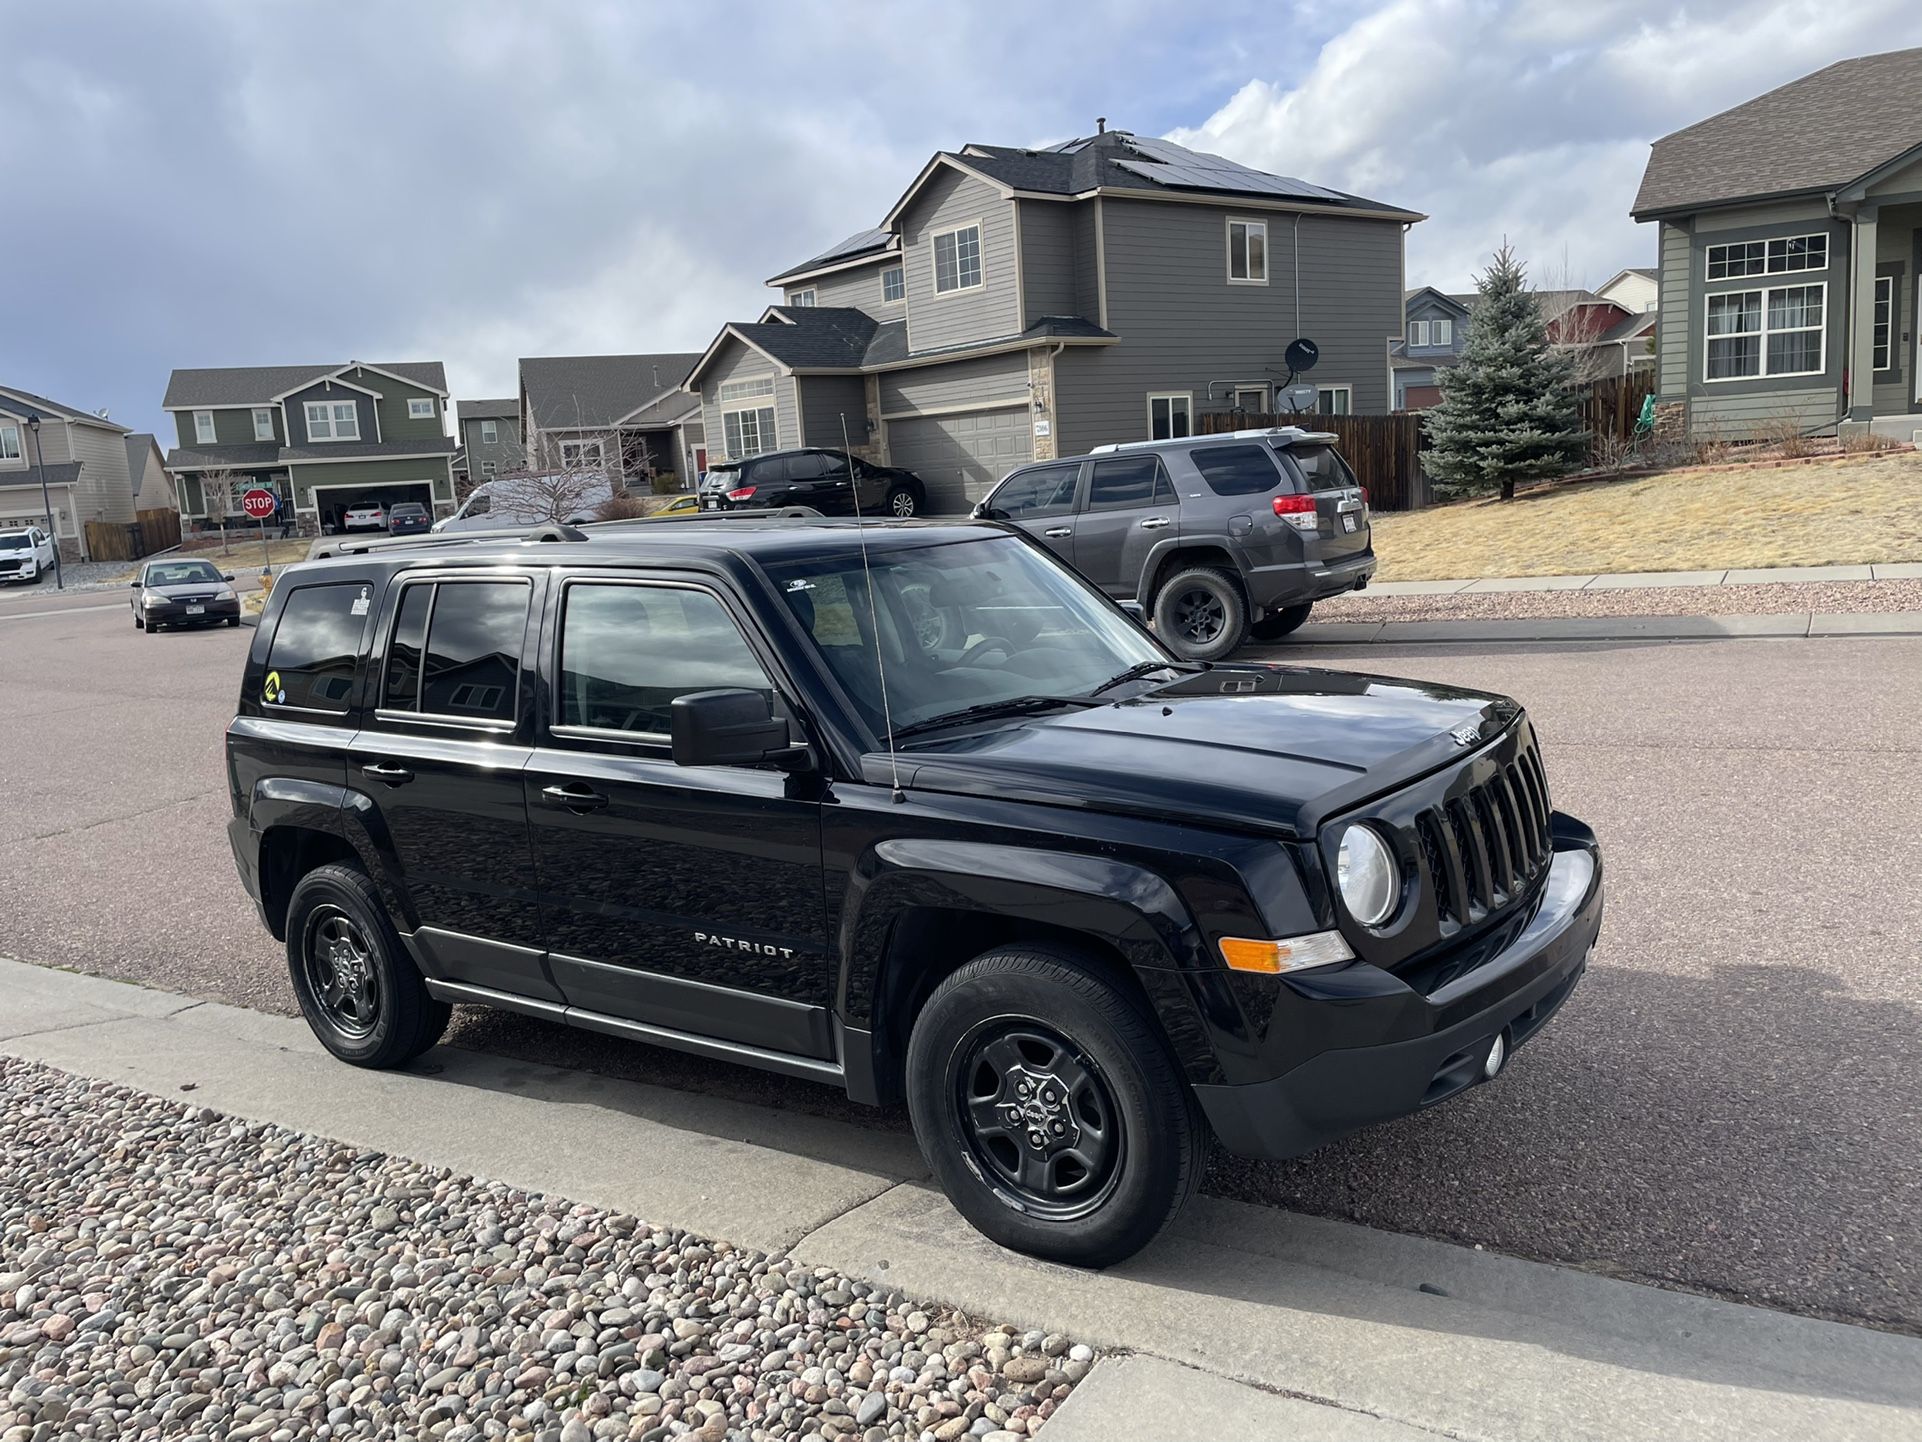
(1862, 314)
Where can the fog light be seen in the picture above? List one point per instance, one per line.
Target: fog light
(1497, 1054)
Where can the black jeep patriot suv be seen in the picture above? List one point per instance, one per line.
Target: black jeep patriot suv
(909, 809)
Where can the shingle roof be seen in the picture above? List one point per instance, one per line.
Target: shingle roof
(505, 408)
(1628, 327)
(669, 410)
(813, 337)
(591, 392)
(58, 473)
(140, 445)
(12, 399)
(875, 243)
(255, 385)
(1817, 133)
(367, 450)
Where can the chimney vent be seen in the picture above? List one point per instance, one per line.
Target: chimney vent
(1101, 125)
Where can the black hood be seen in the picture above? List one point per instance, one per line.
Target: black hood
(1262, 747)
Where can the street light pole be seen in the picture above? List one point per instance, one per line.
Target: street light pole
(33, 440)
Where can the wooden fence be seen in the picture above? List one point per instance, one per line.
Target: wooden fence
(1611, 407)
(119, 541)
(1383, 451)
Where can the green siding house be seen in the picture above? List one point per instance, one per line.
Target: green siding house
(1790, 239)
(319, 437)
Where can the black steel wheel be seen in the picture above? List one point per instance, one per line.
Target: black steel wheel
(1201, 614)
(1050, 1107)
(1038, 1116)
(357, 986)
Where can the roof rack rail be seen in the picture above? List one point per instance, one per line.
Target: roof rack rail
(758, 513)
(1290, 434)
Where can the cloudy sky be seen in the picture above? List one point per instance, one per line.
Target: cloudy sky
(193, 183)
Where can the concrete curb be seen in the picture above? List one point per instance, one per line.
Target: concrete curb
(1649, 580)
(1792, 625)
(1245, 1321)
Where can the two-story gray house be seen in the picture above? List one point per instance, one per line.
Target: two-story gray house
(624, 414)
(1790, 238)
(320, 437)
(489, 439)
(1022, 304)
(80, 457)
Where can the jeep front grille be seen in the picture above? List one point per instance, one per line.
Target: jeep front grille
(1487, 846)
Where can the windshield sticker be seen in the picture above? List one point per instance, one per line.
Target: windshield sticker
(272, 692)
(800, 585)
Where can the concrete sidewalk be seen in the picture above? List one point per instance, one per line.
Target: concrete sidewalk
(1243, 1322)
(1642, 580)
(1789, 624)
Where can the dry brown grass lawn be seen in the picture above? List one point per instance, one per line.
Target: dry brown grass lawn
(1833, 513)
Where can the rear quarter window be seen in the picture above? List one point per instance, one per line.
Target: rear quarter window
(1236, 470)
(316, 648)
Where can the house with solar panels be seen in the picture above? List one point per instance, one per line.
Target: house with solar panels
(1017, 305)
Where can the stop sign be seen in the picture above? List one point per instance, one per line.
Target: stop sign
(258, 503)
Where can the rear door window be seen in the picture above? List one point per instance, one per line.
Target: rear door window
(809, 467)
(1236, 470)
(629, 649)
(316, 647)
(455, 654)
(1043, 491)
(1131, 481)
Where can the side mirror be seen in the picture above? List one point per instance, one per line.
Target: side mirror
(729, 728)
(134, 584)
(1133, 608)
(226, 575)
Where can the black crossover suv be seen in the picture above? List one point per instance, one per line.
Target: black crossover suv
(832, 482)
(1077, 901)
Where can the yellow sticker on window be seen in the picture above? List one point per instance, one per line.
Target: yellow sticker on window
(273, 692)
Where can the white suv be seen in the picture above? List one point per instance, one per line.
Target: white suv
(25, 555)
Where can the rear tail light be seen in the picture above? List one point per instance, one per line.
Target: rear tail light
(741, 493)
(1364, 496)
(1298, 511)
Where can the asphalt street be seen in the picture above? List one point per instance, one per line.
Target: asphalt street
(1730, 1103)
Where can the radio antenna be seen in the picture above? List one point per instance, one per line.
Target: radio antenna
(874, 614)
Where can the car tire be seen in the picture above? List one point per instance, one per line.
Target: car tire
(1201, 614)
(359, 990)
(903, 504)
(1281, 622)
(138, 624)
(233, 620)
(1123, 1146)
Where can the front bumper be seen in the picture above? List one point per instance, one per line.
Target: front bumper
(174, 613)
(1428, 1048)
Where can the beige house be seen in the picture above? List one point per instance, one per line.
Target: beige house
(82, 458)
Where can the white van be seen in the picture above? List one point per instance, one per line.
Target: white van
(532, 500)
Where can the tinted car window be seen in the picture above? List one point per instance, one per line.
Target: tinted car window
(1236, 470)
(809, 467)
(473, 652)
(1133, 481)
(316, 643)
(1321, 468)
(400, 687)
(627, 651)
(1044, 491)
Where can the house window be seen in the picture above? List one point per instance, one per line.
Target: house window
(420, 408)
(1417, 333)
(490, 433)
(1780, 256)
(802, 297)
(581, 454)
(1772, 332)
(204, 427)
(746, 390)
(1248, 252)
(1884, 323)
(1170, 417)
(263, 423)
(333, 421)
(957, 259)
(9, 442)
(1251, 398)
(894, 285)
(1441, 332)
(1334, 400)
(748, 433)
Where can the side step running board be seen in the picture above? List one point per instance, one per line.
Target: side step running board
(807, 1068)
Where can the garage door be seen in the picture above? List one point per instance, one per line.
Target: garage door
(960, 457)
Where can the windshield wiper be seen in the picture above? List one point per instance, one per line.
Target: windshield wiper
(1135, 673)
(987, 710)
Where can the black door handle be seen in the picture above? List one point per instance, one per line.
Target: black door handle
(392, 775)
(575, 797)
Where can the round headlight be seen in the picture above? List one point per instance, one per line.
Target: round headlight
(1367, 875)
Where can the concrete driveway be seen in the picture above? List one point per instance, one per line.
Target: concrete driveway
(1730, 1103)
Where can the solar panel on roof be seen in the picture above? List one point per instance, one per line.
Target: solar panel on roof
(866, 240)
(1176, 166)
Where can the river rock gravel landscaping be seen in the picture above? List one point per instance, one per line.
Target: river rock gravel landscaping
(167, 1271)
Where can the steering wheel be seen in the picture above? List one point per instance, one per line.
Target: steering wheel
(985, 645)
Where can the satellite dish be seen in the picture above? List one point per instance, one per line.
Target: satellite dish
(1299, 399)
(1302, 354)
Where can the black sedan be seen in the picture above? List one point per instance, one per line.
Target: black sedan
(183, 593)
(408, 518)
(825, 480)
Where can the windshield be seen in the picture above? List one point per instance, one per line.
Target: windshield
(410, 508)
(181, 573)
(15, 541)
(961, 624)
